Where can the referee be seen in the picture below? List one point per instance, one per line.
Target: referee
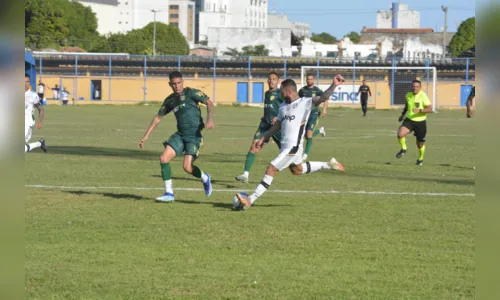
(364, 90)
(414, 115)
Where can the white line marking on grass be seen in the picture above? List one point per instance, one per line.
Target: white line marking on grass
(55, 187)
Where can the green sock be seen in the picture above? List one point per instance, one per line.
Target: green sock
(402, 142)
(196, 172)
(249, 161)
(422, 152)
(166, 171)
(309, 143)
(316, 132)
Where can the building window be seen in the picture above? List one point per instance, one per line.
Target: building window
(175, 24)
(174, 7)
(174, 16)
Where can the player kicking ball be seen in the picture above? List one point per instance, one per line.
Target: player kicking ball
(184, 103)
(292, 120)
(32, 101)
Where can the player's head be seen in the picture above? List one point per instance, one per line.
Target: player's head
(27, 83)
(416, 85)
(310, 80)
(288, 89)
(176, 82)
(273, 80)
(364, 82)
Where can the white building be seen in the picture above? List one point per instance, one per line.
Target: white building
(301, 29)
(114, 16)
(278, 41)
(414, 49)
(349, 49)
(313, 49)
(398, 17)
(231, 14)
(181, 14)
(281, 21)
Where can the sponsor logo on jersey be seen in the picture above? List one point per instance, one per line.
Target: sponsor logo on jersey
(289, 118)
(179, 107)
(272, 98)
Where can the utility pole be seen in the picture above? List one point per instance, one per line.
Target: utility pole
(445, 28)
(154, 31)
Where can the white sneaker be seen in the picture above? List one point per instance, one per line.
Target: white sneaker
(304, 157)
(322, 131)
(335, 165)
(242, 178)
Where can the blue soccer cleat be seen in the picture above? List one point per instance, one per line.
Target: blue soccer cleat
(208, 186)
(167, 197)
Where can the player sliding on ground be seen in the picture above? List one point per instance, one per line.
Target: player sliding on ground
(188, 139)
(414, 114)
(310, 90)
(272, 104)
(292, 119)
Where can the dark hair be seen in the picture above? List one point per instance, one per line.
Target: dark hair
(289, 83)
(274, 73)
(307, 75)
(416, 81)
(175, 74)
(26, 75)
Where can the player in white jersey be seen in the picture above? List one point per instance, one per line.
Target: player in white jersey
(292, 120)
(32, 101)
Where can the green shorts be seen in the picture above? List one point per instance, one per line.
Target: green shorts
(187, 144)
(261, 131)
(313, 121)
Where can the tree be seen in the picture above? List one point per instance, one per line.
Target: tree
(231, 52)
(353, 36)
(323, 38)
(464, 38)
(45, 23)
(258, 50)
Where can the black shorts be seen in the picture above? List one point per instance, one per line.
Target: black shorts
(419, 129)
(40, 95)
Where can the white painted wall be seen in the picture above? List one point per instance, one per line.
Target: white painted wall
(406, 18)
(349, 49)
(276, 40)
(415, 49)
(312, 49)
(211, 19)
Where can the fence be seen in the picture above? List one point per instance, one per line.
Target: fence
(124, 78)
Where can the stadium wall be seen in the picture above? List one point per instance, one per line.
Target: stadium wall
(130, 90)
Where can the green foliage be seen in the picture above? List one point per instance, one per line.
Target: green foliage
(324, 38)
(353, 36)
(464, 38)
(258, 50)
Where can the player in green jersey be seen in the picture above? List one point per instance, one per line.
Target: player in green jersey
(414, 115)
(470, 100)
(272, 102)
(185, 104)
(311, 91)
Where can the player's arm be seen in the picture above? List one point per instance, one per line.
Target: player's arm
(210, 114)
(427, 107)
(164, 110)
(369, 91)
(41, 114)
(403, 113)
(359, 91)
(325, 105)
(328, 93)
(272, 131)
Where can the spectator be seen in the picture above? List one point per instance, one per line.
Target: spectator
(64, 96)
(41, 91)
(55, 92)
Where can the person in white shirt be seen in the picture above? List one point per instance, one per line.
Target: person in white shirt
(292, 120)
(32, 101)
(41, 90)
(65, 96)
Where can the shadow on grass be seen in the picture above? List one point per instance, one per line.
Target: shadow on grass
(100, 151)
(227, 184)
(228, 205)
(109, 195)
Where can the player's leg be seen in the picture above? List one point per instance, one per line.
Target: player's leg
(311, 124)
(403, 131)
(28, 130)
(298, 167)
(420, 134)
(192, 151)
(263, 186)
(364, 106)
(172, 147)
(250, 159)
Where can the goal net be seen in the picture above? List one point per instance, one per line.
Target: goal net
(388, 85)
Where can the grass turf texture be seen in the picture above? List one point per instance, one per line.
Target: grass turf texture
(84, 243)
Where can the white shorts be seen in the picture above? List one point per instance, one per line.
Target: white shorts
(28, 130)
(288, 157)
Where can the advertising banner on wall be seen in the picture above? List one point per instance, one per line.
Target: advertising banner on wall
(343, 94)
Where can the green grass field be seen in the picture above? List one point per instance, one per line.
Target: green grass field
(385, 229)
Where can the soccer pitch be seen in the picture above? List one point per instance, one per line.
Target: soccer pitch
(384, 229)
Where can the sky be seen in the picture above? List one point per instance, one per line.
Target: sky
(340, 17)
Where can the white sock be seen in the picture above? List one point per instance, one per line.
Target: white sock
(313, 166)
(168, 186)
(204, 177)
(246, 174)
(261, 188)
(30, 147)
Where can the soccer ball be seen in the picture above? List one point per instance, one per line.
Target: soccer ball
(237, 204)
